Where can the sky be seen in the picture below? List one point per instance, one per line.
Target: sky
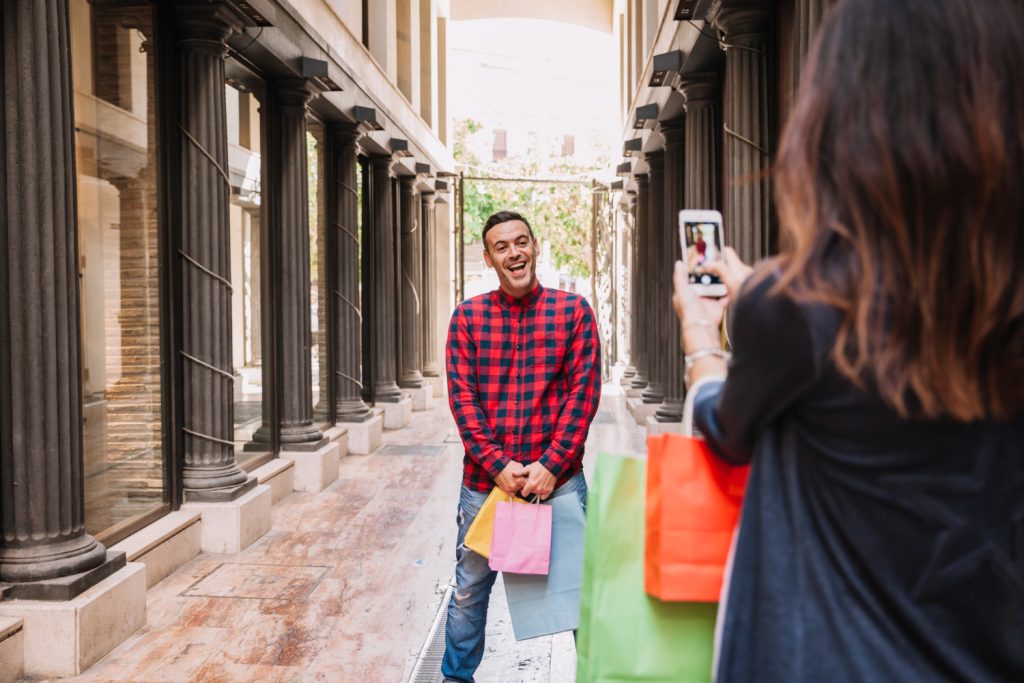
(535, 75)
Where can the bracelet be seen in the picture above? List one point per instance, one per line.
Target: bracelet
(691, 358)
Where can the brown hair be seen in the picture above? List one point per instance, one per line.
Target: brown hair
(900, 195)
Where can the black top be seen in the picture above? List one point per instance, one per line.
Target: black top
(871, 548)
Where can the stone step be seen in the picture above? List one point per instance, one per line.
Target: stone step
(12, 649)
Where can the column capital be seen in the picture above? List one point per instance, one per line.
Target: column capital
(673, 130)
(383, 163)
(429, 198)
(207, 25)
(294, 92)
(642, 181)
(744, 22)
(699, 89)
(655, 160)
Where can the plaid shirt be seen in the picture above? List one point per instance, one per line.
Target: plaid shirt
(524, 379)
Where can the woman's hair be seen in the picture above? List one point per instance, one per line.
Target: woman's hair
(900, 189)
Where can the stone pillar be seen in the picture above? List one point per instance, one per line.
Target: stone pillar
(701, 177)
(380, 248)
(287, 207)
(641, 232)
(431, 363)
(210, 471)
(806, 20)
(657, 293)
(42, 510)
(343, 244)
(629, 283)
(411, 283)
(671, 410)
(746, 209)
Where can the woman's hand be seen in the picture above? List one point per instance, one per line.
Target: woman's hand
(701, 318)
(730, 270)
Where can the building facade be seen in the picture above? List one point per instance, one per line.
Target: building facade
(224, 262)
(706, 87)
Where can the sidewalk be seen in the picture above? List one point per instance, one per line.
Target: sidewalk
(347, 583)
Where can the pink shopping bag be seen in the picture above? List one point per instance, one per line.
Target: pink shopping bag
(522, 538)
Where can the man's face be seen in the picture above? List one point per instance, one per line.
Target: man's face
(512, 252)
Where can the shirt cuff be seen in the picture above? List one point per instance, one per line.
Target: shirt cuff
(495, 464)
(554, 463)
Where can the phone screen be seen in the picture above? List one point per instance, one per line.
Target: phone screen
(703, 245)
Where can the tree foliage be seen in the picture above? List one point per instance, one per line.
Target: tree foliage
(560, 213)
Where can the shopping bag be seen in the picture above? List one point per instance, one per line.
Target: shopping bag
(540, 605)
(478, 536)
(693, 505)
(522, 538)
(625, 634)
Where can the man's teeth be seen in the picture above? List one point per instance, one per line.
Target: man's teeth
(516, 268)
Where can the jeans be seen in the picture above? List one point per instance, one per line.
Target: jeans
(467, 610)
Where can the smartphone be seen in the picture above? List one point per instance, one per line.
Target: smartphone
(700, 236)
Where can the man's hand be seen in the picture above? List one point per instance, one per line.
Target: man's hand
(538, 481)
(512, 478)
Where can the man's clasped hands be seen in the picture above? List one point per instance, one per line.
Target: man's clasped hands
(526, 479)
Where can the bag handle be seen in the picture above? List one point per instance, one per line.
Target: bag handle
(691, 399)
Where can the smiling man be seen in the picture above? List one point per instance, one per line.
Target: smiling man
(524, 379)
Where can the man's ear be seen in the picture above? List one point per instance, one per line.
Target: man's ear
(487, 258)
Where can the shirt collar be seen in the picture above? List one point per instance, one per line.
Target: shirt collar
(526, 301)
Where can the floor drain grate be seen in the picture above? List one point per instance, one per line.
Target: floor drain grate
(428, 664)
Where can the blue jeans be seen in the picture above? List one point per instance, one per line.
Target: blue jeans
(467, 610)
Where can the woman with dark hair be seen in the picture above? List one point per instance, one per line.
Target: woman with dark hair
(877, 376)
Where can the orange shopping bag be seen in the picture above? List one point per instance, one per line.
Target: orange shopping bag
(693, 505)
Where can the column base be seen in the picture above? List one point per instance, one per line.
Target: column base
(233, 526)
(653, 393)
(438, 384)
(640, 410)
(221, 495)
(315, 470)
(397, 415)
(165, 545)
(12, 649)
(65, 638)
(64, 588)
(632, 392)
(654, 426)
(670, 411)
(365, 437)
(421, 397)
(279, 475)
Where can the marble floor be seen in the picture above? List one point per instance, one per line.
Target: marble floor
(346, 585)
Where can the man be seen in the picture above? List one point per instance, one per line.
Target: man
(524, 379)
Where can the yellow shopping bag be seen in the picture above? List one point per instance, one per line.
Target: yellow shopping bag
(478, 537)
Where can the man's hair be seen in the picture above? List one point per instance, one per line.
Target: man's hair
(504, 217)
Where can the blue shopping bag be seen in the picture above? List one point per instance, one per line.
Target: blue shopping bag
(544, 604)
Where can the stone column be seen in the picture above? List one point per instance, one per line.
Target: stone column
(701, 176)
(641, 232)
(657, 291)
(343, 244)
(746, 211)
(671, 410)
(411, 283)
(42, 510)
(207, 420)
(629, 283)
(431, 363)
(380, 248)
(807, 19)
(287, 207)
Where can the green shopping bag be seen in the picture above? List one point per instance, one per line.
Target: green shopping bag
(626, 635)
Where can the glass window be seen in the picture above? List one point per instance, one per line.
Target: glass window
(319, 289)
(244, 126)
(119, 261)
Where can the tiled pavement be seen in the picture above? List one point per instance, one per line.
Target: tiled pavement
(347, 583)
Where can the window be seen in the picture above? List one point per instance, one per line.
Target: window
(568, 145)
(500, 145)
(117, 150)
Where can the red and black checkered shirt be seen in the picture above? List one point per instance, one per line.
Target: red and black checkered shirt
(524, 380)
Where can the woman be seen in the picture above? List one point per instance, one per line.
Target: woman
(877, 376)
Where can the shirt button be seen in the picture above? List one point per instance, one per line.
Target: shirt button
(518, 346)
